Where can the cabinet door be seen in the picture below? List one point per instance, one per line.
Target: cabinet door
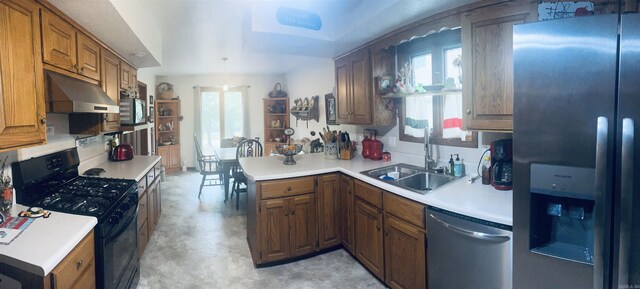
(110, 66)
(343, 90)
(125, 75)
(361, 105)
(347, 212)
(274, 230)
(163, 151)
(405, 256)
(134, 79)
(143, 238)
(368, 231)
(304, 230)
(88, 57)
(487, 38)
(329, 217)
(58, 42)
(174, 156)
(22, 108)
(151, 210)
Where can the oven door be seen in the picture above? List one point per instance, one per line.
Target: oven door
(120, 253)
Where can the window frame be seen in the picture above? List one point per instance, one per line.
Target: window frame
(436, 44)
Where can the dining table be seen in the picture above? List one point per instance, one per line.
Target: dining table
(227, 158)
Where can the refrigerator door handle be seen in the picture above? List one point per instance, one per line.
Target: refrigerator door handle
(602, 137)
(626, 200)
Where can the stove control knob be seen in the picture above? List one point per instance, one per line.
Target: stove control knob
(115, 218)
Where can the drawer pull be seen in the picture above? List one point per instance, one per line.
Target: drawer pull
(293, 212)
(286, 213)
(79, 265)
(289, 188)
(378, 228)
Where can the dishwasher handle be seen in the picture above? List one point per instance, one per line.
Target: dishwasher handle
(472, 234)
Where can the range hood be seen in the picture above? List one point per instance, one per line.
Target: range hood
(69, 95)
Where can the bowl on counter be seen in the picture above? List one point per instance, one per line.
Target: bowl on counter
(166, 143)
(289, 151)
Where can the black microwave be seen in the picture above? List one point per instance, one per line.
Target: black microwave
(132, 111)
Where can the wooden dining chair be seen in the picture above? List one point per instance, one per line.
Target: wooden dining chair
(246, 149)
(209, 167)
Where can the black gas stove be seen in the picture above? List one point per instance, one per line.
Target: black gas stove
(52, 182)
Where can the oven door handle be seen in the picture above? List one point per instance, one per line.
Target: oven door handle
(133, 217)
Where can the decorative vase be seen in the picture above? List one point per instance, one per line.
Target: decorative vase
(6, 201)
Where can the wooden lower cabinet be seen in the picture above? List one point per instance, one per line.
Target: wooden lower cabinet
(170, 157)
(368, 237)
(149, 207)
(405, 256)
(288, 227)
(77, 269)
(329, 213)
(347, 206)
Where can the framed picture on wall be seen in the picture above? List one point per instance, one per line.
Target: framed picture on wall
(330, 106)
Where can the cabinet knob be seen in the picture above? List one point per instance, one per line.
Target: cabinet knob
(378, 228)
(79, 265)
(293, 212)
(286, 213)
(468, 111)
(82, 69)
(75, 66)
(43, 120)
(289, 188)
(386, 233)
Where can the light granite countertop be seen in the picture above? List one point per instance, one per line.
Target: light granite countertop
(43, 244)
(136, 168)
(474, 200)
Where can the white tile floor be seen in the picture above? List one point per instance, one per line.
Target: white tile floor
(202, 244)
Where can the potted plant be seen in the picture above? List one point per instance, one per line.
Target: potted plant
(6, 190)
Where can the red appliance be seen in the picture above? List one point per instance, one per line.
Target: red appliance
(122, 152)
(366, 147)
(376, 150)
(501, 164)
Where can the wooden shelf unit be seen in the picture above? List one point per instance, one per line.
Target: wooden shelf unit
(275, 110)
(168, 112)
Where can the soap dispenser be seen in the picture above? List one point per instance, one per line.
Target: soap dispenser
(451, 164)
(458, 169)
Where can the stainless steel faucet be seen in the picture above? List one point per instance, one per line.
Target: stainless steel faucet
(429, 163)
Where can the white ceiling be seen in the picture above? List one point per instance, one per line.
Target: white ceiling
(191, 36)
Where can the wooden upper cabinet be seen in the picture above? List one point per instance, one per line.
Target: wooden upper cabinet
(22, 108)
(88, 57)
(329, 217)
(487, 52)
(128, 76)
(110, 66)
(67, 48)
(58, 42)
(343, 90)
(356, 100)
(361, 94)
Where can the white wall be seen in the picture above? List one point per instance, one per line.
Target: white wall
(183, 85)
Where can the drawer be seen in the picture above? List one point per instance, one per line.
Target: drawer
(410, 211)
(368, 193)
(150, 176)
(288, 187)
(143, 209)
(88, 279)
(142, 186)
(75, 264)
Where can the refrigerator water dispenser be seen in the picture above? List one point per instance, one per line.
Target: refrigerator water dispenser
(562, 200)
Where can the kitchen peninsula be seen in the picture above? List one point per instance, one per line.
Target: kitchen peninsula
(319, 205)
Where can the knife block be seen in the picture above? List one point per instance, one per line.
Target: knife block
(347, 154)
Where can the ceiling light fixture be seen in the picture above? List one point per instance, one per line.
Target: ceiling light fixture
(225, 86)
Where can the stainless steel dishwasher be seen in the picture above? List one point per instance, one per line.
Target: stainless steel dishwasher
(465, 252)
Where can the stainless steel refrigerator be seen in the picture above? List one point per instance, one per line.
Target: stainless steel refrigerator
(576, 214)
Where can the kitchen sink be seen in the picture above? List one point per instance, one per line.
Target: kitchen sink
(424, 182)
(402, 170)
(413, 178)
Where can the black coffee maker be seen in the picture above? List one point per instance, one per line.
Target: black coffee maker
(501, 164)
